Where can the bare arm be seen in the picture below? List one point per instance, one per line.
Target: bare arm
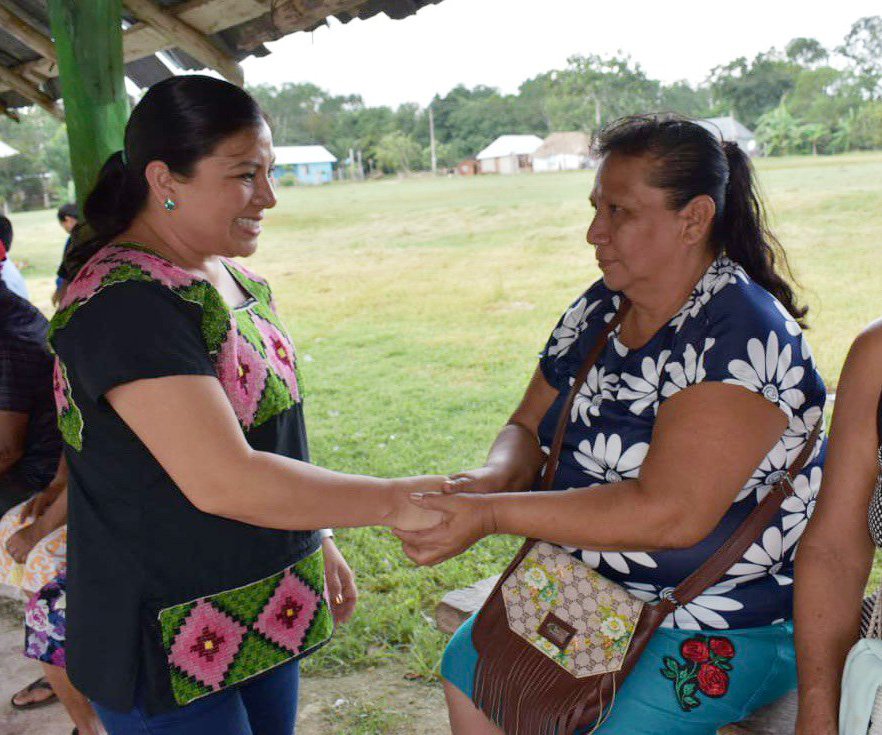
(188, 425)
(699, 458)
(836, 552)
(515, 457)
(13, 433)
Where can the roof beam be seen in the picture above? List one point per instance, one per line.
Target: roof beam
(187, 38)
(28, 35)
(19, 84)
(295, 15)
(11, 114)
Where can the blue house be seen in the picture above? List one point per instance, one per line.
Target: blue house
(309, 164)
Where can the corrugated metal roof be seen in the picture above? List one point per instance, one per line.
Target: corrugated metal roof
(511, 145)
(237, 27)
(290, 154)
(728, 127)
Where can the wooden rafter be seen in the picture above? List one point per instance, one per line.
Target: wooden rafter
(289, 16)
(11, 114)
(27, 34)
(187, 38)
(142, 40)
(21, 85)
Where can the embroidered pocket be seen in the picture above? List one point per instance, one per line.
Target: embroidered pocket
(223, 639)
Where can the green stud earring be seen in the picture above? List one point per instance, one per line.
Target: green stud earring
(169, 205)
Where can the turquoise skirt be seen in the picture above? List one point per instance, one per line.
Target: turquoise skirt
(686, 682)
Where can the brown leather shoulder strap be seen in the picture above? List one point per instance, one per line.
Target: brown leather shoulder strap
(562, 420)
(712, 571)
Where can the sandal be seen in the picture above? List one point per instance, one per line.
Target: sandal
(34, 686)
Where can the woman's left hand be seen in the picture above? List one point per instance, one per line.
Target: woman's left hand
(340, 582)
(22, 542)
(467, 518)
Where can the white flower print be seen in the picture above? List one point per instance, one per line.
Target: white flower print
(763, 558)
(770, 471)
(798, 508)
(770, 372)
(703, 612)
(571, 326)
(689, 372)
(598, 387)
(606, 461)
(616, 303)
(618, 560)
(794, 330)
(642, 391)
(37, 617)
(721, 273)
(799, 429)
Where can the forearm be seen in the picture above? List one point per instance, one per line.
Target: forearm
(54, 517)
(600, 518)
(272, 491)
(516, 456)
(828, 596)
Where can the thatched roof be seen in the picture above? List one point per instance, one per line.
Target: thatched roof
(194, 34)
(558, 144)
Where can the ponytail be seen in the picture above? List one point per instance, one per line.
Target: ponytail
(743, 234)
(117, 197)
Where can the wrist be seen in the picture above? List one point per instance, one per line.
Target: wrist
(487, 506)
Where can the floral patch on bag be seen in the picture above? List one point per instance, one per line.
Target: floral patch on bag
(707, 661)
(565, 609)
(223, 639)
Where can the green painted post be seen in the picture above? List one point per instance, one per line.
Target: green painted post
(88, 42)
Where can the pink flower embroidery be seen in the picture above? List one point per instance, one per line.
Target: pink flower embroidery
(242, 372)
(288, 614)
(280, 352)
(160, 269)
(88, 281)
(59, 384)
(207, 644)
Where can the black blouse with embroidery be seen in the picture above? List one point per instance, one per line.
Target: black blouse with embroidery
(137, 545)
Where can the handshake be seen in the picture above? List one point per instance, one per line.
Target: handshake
(438, 517)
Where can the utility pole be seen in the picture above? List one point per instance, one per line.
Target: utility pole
(432, 141)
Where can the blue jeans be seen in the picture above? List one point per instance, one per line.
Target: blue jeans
(762, 668)
(266, 706)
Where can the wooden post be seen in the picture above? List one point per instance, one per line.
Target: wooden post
(432, 141)
(88, 43)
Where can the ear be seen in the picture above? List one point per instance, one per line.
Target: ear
(162, 182)
(697, 219)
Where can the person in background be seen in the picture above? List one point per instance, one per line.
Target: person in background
(68, 218)
(836, 552)
(9, 273)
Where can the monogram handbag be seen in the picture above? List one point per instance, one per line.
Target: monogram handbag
(555, 639)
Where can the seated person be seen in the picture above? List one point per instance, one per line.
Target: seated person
(9, 273)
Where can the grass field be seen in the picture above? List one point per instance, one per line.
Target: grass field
(418, 307)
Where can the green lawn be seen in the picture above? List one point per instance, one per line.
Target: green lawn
(418, 307)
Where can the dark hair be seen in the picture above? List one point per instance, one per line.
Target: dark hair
(67, 210)
(6, 232)
(691, 161)
(179, 121)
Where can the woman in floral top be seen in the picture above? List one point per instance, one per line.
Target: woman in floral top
(700, 399)
(195, 578)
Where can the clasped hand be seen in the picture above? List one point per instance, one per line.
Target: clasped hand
(462, 512)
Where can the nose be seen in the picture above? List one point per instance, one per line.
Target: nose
(597, 232)
(265, 192)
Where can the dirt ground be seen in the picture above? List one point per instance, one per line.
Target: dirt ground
(376, 701)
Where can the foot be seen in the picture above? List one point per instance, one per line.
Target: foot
(35, 694)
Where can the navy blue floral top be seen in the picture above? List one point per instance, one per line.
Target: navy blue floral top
(730, 330)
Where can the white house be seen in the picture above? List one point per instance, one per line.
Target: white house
(732, 130)
(564, 152)
(508, 154)
(6, 151)
(309, 164)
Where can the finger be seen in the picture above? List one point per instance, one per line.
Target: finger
(428, 537)
(26, 511)
(457, 484)
(350, 596)
(433, 501)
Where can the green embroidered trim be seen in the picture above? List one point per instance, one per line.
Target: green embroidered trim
(247, 328)
(275, 399)
(70, 420)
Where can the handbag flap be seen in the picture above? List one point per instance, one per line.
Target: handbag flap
(565, 609)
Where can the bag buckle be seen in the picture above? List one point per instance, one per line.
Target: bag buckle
(668, 594)
(786, 486)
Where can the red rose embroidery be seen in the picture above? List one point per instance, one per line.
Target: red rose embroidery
(722, 647)
(712, 681)
(695, 650)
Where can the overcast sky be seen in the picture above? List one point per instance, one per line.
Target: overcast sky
(501, 43)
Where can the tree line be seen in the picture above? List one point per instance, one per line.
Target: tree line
(804, 98)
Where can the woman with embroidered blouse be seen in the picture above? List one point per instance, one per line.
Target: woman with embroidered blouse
(195, 582)
(700, 399)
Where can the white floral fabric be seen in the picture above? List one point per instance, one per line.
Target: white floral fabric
(730, 330)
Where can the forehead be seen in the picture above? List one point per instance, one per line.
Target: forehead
(255, 143)
(621, 176)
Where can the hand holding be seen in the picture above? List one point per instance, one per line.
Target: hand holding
(409, 516)
(340, 582)
(466, 519)
(36, 506)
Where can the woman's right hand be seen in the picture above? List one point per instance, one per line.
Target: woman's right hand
(486, 479)
(406, 516)
(36, 506)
